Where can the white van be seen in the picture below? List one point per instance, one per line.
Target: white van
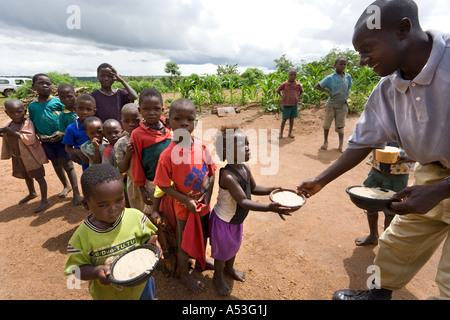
(9, 85)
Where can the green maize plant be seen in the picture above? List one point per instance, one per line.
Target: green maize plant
(245, 94)
(270, 99)
(185, 86)
(213, 86)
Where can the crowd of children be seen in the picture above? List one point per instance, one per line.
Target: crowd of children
(170, 174)
(144, 178)
(164, 183)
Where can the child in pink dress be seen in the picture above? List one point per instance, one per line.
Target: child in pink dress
(21, 144)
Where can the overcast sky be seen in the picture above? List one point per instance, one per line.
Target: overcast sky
(138, 37)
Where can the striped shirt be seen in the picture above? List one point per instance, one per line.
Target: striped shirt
(90, 245)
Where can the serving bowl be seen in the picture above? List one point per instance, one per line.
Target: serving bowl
(370, 204)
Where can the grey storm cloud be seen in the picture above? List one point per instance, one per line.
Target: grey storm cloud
(171, 28)
(129, 24)
(165, 27)
(188, 32)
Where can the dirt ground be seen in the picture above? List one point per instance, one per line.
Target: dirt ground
(306, 257)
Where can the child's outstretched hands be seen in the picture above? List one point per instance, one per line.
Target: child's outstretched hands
(280, 209)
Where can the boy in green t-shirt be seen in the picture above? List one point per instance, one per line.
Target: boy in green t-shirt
(108, 231)
(67, 97)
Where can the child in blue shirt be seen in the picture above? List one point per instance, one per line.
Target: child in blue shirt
(75, 134)
(337, 86)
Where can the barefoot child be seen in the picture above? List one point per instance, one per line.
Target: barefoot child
(236, 185)
(124, 151)
(21, 144)
(44, 113)
(337, 86)
(149, 140)
(292, 90)
(108, 231)
(187, 163)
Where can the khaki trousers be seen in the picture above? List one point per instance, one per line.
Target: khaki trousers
(411, 240)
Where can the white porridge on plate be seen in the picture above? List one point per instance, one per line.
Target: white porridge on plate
(288, 198)
(133, 264)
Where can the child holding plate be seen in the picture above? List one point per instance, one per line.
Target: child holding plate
(109, 230)
(236, 185)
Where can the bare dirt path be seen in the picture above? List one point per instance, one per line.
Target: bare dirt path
(309, 256)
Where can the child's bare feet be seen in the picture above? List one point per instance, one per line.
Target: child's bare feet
(77, 199)
(28, 198)
(193, 285)
(209, 264)
(364, 241)
(341, 149)
(65, 192)
(324, 146)
(235, 274)
(221, 286)
(291, 135)
(44, 204)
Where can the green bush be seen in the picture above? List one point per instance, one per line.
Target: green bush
(252, 86)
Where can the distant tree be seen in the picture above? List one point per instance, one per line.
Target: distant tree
(283, 64)
(350, 55)
(227, 69)
(251, 76)
(172, 69)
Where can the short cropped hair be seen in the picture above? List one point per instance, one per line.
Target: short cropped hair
(130, 108)
(226, 131)
(180, 103)
(65, 86)
(96, 175)
(13, 102)
(85, 97)
(110, 122)
(89, 120)
(36, 76)
(339, 59)
(150, 92)
(104, 66)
